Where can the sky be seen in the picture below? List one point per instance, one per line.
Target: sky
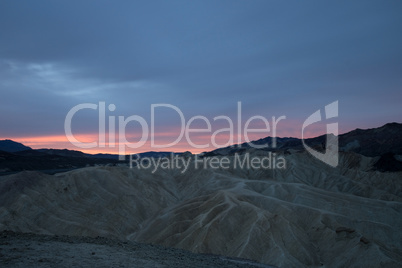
(277, 58)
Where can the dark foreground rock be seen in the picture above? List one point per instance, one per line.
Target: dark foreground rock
(32, 250)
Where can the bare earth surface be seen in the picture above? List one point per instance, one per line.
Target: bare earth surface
(307, 215)
(30, 250)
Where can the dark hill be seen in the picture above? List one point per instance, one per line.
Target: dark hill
(12, 146)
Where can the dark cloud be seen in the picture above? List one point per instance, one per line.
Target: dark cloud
(278, 58)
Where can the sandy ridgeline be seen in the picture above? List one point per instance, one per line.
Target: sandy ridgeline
(307, 214)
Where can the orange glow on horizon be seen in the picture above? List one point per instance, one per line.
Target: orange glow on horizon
(286, 129)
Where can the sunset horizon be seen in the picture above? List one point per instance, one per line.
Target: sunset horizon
(61, 142)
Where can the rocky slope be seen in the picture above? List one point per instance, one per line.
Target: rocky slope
(308, 214)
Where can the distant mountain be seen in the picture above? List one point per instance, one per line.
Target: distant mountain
(157, 154)
(58, 160)
(12, 146)
(104, 156)
(64, 152)
(73, 153)
(374, 141)
(384, 142)
(47, 163)
(368, 142)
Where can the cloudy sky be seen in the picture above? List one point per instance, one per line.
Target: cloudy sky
(278, 58)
